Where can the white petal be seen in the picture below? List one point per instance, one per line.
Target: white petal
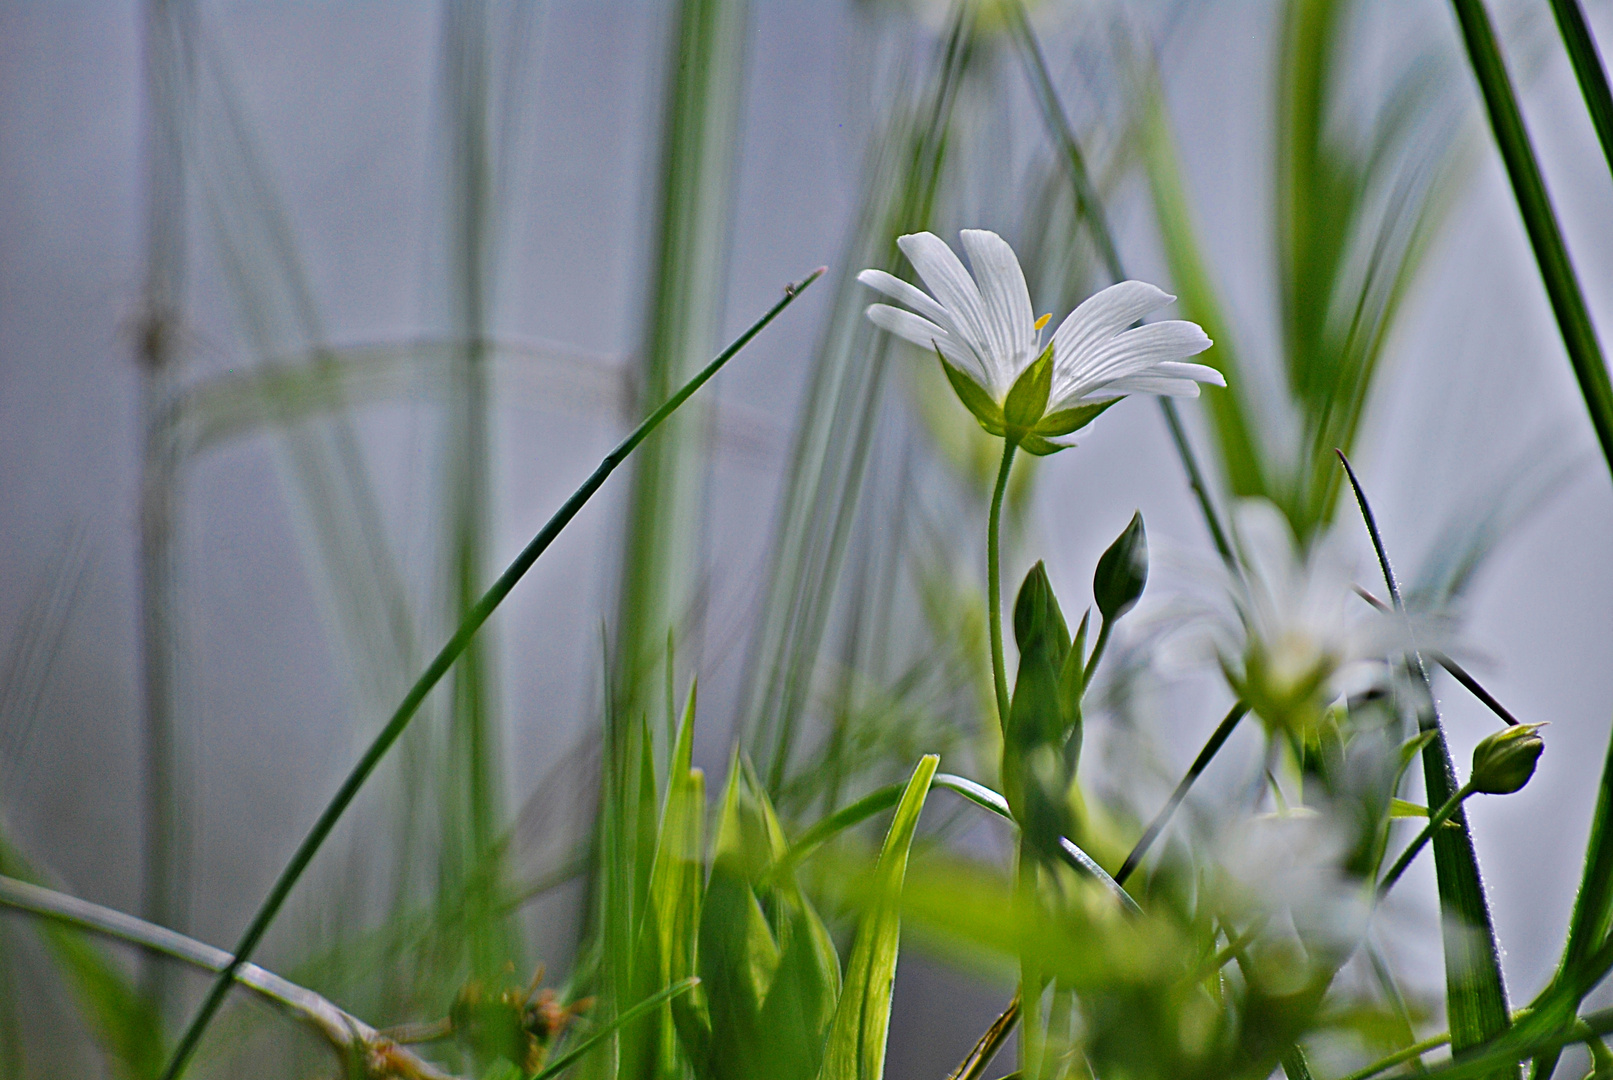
(1012, 323)
(1134, 352)
(952, 286)
(929, 337)
(1103, 315)
(915, 298)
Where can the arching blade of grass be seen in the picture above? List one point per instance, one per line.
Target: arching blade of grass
(444, 660)
(122, 1017)
(338, 1027)
(1539, 219)
(1475, 993)
(856, 1047)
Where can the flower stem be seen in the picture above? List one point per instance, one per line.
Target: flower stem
(1435, 822)
(994, 589)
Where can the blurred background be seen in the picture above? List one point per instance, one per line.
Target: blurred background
(310, 315)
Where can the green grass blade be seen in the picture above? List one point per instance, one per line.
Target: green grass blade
(1588, 70)
(1475, 993)
(450, 652)
(1539, 219)
(856, 1046)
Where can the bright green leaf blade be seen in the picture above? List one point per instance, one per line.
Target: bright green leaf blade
(856, 1047)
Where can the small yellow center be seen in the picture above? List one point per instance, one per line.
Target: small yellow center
(1043, 320)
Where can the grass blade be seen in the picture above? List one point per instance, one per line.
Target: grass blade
(1539, 219)
(1475, 993)
(856, 1047)
(450, 652)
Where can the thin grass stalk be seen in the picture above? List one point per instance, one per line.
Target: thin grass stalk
(1539, 219)
(472, 805)
(340, 1029)
(1090, 209)
(1588, 70)
(440, 666)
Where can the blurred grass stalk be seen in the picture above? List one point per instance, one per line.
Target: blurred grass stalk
(661, 573)
(167, 778)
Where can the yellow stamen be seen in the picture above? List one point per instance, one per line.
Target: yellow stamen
(1043, 320)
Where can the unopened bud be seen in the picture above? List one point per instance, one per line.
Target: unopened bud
(1504, 762)
(1122, 571)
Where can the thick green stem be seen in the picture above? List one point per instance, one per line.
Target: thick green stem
(994, 589)
(1435, 823)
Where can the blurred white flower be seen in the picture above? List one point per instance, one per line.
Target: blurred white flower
(1300, 638)
(990, 340)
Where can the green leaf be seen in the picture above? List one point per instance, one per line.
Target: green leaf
(605, 1031)
(975, 398)
(1400, 808)
(856, 1046)
(1027, 398)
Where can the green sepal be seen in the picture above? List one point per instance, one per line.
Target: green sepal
(1122, 571)
(1033, 443)
(1027, 399)
(1066, 421)
(975, 399)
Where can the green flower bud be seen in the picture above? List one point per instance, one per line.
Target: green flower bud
(1504, 762)
(1122, 571)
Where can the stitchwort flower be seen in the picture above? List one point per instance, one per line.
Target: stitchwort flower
(990, 342)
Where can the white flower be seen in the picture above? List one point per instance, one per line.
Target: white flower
(990, 340)
(1301, 638)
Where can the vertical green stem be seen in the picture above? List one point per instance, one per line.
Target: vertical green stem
(994, 589)
(1435, 822)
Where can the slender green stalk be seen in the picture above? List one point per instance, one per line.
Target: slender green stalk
(478, 614)
(994, 588)
(1587, 69)
(1436, 821)
(1091, 669)
(1539, 219)
(1218, 737)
